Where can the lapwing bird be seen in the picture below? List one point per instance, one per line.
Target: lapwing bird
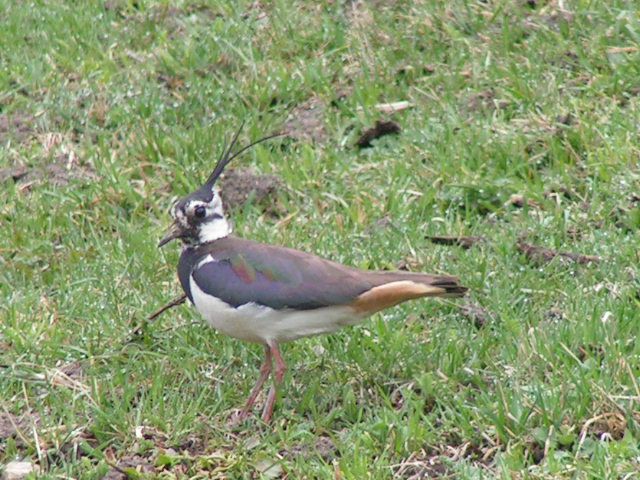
(271, 295)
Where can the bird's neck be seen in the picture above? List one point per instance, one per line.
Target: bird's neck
(214, 230)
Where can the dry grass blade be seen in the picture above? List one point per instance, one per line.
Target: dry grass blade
(389, 108)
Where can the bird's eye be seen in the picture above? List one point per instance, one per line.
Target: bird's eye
(200, 211)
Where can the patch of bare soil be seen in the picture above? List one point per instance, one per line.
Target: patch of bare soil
(306, 121)
(539, 254)
(380, 129)
(63, 168)
(17, 127)
(464, 242)
(323, 447)
(66, 168)
(243, 186)
(18, 428)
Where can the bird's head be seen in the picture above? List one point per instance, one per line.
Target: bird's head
(199, 217)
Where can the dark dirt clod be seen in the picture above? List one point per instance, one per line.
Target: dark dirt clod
(241, 186)
(474, 312)
(380, 129)
(306, 121)
(16, 127)
(464, 242)
(545, 255)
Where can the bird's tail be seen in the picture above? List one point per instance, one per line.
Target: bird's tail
(392, 288)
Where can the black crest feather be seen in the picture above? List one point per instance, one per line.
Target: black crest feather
(226, 156)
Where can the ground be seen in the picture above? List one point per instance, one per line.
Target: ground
(511, 124)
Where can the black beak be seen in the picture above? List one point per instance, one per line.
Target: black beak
(173, 233)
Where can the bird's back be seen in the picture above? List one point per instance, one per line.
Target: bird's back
(240, 271)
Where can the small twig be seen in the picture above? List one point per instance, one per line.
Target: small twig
(390, 108)
(173, 303)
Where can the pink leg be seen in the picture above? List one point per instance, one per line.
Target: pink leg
(265, 370)
(281, 368)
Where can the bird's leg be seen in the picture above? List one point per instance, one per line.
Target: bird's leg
(265, 370)
(281, 368)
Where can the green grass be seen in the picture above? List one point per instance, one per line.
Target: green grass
(507, 99)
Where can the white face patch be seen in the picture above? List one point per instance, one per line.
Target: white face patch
(202, 228)
(213, 230)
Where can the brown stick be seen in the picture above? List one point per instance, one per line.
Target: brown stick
(173, 303)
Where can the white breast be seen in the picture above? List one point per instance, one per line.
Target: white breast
(257, 323)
